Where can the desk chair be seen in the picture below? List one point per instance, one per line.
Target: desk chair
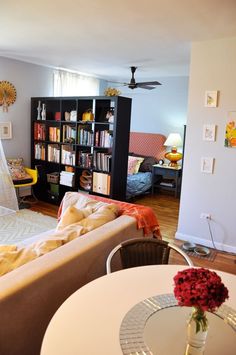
(21, 200)
(143, 251)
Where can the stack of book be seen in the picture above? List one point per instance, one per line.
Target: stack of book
(102, 161)
(54, 134)
(85, 159)
(39, 151)
(54, 153)
(85, 136)
(39, 131)
(68, 133)
(67, 155)
(104, 139)
(67, 178)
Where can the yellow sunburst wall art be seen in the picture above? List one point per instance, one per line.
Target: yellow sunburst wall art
(7, 95)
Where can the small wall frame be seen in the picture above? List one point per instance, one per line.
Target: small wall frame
(209, 132)
(211, 98)
(207, 164)
(5, 130)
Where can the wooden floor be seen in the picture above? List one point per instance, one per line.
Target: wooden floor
(166, 208)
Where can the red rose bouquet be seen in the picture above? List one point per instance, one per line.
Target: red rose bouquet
(201, 289)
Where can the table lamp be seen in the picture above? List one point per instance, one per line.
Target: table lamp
(174, 140)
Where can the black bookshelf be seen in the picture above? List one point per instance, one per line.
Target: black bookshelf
(63, 141)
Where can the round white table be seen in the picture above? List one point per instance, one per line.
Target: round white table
(88, 322)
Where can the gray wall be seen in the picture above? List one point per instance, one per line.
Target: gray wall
(161, 110)
(29, 80)
(212, 68)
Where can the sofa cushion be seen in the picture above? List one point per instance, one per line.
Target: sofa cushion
(73, 215)
(10, 260)
(79, 201)
(147, 163)
(101, 216)
(134, 164)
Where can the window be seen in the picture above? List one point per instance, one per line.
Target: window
(72, 84)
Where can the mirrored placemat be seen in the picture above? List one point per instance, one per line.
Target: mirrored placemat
(147, 331)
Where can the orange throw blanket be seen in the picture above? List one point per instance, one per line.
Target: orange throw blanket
(144, 215)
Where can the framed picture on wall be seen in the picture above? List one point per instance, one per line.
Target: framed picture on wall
(5, 130)
(207, 165)
(209, 132)
(211, 98)
(230, 130)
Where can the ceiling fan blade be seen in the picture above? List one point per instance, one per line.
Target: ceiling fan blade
(149, 83)
(145, 87)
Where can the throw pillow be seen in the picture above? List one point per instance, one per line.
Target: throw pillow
(78, 200)
(147, 164)
(73, 215)
(134, 164)
(17, 171)
(101, 216)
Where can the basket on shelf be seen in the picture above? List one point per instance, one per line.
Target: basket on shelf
(53, 178)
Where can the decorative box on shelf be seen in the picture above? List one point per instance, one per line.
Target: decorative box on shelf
(53, 178)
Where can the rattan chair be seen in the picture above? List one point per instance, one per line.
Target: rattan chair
(143, 251)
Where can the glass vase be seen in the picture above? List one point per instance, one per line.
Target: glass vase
(197, 330)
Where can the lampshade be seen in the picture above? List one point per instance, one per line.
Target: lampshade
(174, 139)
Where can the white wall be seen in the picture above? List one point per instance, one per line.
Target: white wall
(29, 80)
(212, 68)
(161, 110)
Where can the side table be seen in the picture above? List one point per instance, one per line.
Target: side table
(167, 178)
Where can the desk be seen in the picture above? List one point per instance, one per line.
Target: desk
(88, 322)
(169, 178)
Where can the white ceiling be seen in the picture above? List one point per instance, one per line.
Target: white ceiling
(105, 37)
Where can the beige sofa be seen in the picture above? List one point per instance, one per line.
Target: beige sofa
(31, 294)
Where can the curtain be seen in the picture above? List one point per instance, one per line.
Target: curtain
(8, 199)
(73, 84)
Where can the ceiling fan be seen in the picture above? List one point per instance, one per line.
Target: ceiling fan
(149, 85)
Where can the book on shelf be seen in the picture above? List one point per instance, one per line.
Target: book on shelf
(104, 139)
(85, 159)
(67, 155)
(54, 153)
(102, 161)
(68, 133)
(85, 136)
(54, 134)
(39, 131)
(39, 151)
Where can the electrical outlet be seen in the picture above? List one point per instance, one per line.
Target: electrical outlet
(205, 216)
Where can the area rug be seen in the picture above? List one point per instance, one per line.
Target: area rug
(24, 224)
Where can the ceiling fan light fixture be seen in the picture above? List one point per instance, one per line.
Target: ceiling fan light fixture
(148, 85)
